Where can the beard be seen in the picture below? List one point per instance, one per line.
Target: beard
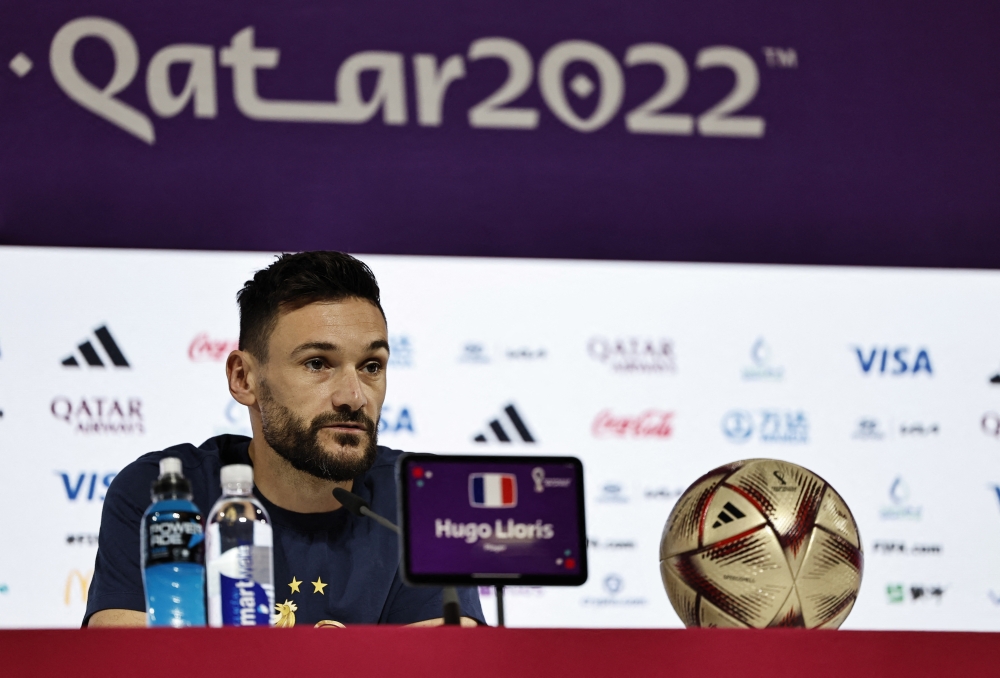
(298, 442)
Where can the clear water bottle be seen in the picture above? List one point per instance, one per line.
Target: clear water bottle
(173, 552)
(239, 559)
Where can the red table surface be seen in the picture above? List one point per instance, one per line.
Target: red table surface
(488, 652)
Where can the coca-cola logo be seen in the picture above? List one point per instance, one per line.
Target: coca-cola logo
(648, 424)
(633, 354)
(205, 349)
(99, 414)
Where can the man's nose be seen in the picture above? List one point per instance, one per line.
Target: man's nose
(347, 391)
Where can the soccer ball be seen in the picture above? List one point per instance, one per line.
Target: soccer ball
(761, 543)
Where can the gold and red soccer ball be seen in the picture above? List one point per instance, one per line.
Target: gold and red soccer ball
(761, 543)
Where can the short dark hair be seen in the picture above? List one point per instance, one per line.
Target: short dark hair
(293, 281)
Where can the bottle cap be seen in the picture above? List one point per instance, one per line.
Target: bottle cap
(170, 465)
(236, 473)
(171, 483)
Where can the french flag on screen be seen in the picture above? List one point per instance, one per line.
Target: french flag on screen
(493, 490)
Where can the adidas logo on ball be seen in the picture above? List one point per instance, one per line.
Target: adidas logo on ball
(724, 517)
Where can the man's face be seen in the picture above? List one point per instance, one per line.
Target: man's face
(321, 390)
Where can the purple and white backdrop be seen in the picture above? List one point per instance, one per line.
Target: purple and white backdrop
(507, 142)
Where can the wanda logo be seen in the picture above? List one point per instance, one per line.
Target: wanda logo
(205, 349)
(649, 424)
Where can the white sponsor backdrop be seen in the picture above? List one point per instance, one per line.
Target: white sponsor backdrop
(652, 374)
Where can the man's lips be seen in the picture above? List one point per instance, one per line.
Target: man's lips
(347, 427)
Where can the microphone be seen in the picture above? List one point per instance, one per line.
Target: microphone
(360, 507)
(452, 612)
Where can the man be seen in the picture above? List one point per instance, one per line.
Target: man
(311, 369)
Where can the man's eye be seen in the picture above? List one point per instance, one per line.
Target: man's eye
(314, 364)
(372, 368)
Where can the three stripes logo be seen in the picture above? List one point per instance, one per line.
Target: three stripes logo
(728, 514)
(88, 351)
(515, 425)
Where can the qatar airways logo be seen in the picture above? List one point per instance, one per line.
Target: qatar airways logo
(100, 414)
(634, 354)
(584, 103)
(648, 424)
(204, 348)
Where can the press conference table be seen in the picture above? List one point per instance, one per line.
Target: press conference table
(360, 652)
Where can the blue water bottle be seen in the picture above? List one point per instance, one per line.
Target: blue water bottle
(173, 552)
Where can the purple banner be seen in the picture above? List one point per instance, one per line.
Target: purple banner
(818, 133)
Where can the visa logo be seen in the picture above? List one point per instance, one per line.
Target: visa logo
(84, 486)
(492, 490)
(893, 361)
(389, 422)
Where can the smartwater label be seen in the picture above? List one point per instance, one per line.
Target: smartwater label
(243, 601)
(240, 588)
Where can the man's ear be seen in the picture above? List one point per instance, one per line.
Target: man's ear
(242, 373)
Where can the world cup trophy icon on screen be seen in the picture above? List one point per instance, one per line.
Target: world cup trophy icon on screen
(761, 543)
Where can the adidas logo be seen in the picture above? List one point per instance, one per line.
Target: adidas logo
(728, 514)
(90, 355)
(514, 422)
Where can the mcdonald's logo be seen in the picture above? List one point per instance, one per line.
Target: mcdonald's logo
(82, 580)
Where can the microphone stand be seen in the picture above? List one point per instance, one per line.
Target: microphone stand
(499, 590)
(452, 608)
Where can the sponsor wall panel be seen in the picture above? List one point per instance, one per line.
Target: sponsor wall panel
(881, 381)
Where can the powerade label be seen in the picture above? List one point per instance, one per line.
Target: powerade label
(173, 537)
(240, 583)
